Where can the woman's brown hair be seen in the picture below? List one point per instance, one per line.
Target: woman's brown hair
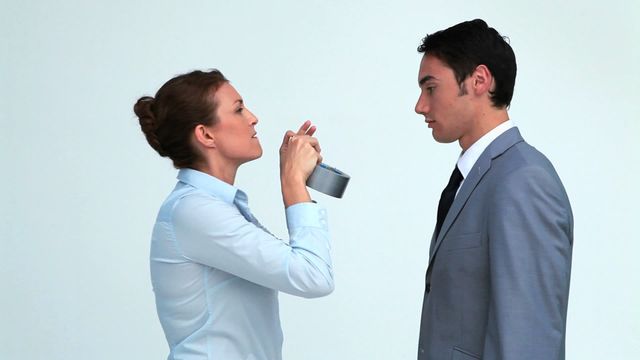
(180, 105)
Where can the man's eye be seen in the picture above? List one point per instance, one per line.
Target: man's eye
(430, 89)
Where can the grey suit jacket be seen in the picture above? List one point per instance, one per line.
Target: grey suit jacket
(497, 283)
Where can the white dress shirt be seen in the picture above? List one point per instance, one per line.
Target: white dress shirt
(469, 157)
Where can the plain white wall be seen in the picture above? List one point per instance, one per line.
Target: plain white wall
(81, 187)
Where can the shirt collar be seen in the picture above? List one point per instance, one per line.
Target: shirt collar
(210, 184)
(469, 157)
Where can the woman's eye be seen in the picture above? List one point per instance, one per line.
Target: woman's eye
(239, 110)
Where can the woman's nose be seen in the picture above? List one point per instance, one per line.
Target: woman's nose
(254, 118)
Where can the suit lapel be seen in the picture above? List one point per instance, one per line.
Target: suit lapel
(479, 169)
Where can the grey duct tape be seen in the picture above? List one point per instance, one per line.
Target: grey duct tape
(328, 180)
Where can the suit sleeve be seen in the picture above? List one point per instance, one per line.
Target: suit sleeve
(530, 244)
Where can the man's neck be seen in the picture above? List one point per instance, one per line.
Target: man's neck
(486, 120)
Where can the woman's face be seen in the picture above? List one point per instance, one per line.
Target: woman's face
(235, 134)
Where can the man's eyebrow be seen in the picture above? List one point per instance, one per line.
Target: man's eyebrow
(425, 79)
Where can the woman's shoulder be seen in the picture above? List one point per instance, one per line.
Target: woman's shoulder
(196, 205)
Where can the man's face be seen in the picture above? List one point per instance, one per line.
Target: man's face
(445, 104)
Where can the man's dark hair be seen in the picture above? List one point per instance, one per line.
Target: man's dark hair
(464, 46)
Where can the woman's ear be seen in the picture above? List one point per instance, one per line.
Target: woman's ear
(204, 136)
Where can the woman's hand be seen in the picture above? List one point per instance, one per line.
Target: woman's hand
(299, 154)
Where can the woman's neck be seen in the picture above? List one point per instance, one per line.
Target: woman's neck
(220, 170)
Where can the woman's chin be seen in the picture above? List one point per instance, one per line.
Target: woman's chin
(256, 156)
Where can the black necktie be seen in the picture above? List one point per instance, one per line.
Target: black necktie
(446, 199)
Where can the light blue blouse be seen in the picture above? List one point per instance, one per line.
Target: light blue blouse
(216, 271)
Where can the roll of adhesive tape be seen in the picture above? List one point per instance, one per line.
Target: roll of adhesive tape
(328, 180)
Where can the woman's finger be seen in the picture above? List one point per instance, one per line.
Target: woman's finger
(303, 129)
(314, 143)
(311, 131)
(287, 137)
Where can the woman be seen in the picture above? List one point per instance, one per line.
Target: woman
(216, 271)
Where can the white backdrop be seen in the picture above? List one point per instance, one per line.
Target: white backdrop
(81, 187)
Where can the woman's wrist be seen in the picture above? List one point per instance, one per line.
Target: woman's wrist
(294, 191)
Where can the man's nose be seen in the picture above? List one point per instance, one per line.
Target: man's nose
(421, 106)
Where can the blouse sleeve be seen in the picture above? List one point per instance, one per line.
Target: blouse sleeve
(212, 232)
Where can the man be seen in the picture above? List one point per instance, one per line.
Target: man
(497, 283)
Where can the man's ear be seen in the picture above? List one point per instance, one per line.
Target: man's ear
(482, 80)
(204, 136)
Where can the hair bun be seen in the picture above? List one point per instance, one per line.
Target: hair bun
(148, 123)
